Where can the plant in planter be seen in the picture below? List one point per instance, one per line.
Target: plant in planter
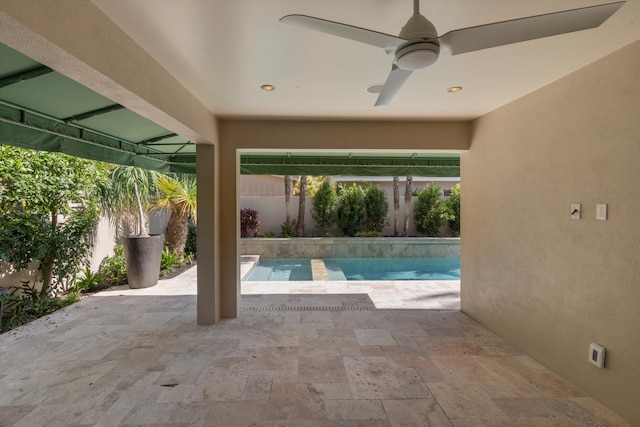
(178, 196)
(125, 198)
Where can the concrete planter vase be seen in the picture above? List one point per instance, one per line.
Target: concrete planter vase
(142, 256)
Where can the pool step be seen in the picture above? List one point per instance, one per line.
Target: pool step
(318, 270)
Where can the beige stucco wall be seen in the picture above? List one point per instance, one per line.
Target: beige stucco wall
(549, 284)
(237, 135)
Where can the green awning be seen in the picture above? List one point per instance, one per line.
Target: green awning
(41, 109)
(358, 164)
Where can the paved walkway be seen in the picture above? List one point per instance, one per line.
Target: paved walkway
(312, 354)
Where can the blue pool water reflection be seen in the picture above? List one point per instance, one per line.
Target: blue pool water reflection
(296, 269)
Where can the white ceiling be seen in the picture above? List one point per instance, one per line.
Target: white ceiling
(223, 50)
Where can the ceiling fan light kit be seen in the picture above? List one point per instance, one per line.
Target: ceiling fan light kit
(414, 56)
(418, 44)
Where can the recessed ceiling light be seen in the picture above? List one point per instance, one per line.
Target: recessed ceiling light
(268, 88)
(454, 89)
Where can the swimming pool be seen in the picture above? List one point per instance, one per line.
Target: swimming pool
(297, 269)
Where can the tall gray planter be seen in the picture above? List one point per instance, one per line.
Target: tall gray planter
(142, 256)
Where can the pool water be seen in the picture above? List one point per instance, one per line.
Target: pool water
(286, 269)
(393, 268)
(296, 269)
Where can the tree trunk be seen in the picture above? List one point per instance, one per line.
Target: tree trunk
(396, 205)
(46, 264)
(177, 231)
(301, 206)
(287, 197)
(142, 223)
(408, 190)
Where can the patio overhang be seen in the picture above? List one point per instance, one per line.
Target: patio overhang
(42, 109)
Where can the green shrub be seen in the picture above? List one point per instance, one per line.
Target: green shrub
(377, 207)
(351, 211)
(452, 209)
(368, 234)
(288, 228)
(323, 210)
(429, 210)
(190, 247)
(27, 303)
(168, 261)
(90, 281)
(113, 268)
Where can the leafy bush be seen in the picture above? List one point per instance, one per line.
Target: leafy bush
(249, 224)
(191, 247)
(288, 228)
(168, 261)
(37, 189)
(351, 211)
(27, 303)
(368, 234)
(452, 209)
(429, 210)
(90, 281)
(377, 207)
(323, 210)
(113, 268)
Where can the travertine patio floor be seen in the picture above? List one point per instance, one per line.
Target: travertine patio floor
(299, 354)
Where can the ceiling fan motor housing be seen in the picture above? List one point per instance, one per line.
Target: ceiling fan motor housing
(417, 55)
(423, 47)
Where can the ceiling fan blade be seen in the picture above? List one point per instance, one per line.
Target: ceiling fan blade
(395, 80)
(519, 30)
(374, 38)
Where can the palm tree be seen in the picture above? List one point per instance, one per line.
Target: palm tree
(126, 196)
(301, 206)
(177, 196)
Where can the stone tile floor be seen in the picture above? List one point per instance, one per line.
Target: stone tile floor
(300, 354)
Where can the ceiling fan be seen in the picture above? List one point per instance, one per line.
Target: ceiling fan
(418, 44)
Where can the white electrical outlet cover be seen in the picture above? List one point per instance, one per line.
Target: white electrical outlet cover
(601, 211)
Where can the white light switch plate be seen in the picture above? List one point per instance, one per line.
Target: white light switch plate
(575, 210)
(601, 211)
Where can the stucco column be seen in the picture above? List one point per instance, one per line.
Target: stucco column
(208, 256)
(229, 167)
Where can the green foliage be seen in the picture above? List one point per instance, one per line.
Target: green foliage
(50, 209)
(190, 247)
(90, 281)
(429, 210)
(269, 234)
(368, 234)
(323, 210)
(351, 211)
(249, 224)
(178, 196)
(377, 207)
(288, 228)
(452, 209)
(113, 268)
(27, 303)
(125, 197)
(313, 185)
(168, 261)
